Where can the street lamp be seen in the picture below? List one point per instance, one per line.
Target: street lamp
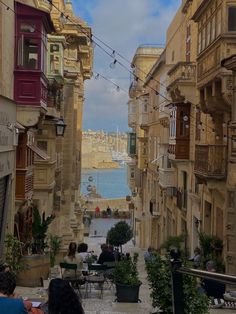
(60, 127)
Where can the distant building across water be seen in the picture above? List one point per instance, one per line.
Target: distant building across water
(103, 150)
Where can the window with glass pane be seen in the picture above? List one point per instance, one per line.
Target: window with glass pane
(199, 42)
(203, 38)
(218, 23)
(28, 53)
(27, 27)
(213, 28)
(208, 30)
(232, 19)
(55, 59)
(44, 51)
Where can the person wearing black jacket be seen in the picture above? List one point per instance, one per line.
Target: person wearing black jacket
(106, 255)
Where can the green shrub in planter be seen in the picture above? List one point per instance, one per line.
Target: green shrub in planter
(120, 234)
(126, 272)
(126, 278)
(13, 253)
(159, 277)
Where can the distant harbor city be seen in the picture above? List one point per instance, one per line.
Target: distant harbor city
(104, 171)
(104, 150)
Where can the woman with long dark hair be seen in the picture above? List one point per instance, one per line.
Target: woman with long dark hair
(62, 298)
(73, 258)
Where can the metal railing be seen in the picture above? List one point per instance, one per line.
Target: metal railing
(177, 282)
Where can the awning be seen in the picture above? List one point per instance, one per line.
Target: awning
(39, 152)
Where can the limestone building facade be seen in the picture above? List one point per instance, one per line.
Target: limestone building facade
(8, 127)
(77, 65)
(188, 183)
(41, 91)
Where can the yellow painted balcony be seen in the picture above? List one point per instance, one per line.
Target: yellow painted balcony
(182, 72)
(210, 161)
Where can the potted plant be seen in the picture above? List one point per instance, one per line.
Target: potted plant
(39, 231)
(126, 279)
(13, 253)
(54, 248)
(37, 265)
(120, 234)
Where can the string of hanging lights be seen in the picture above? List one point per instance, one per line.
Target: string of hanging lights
(116, 61)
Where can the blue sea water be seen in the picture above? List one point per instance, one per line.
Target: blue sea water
(110, 183)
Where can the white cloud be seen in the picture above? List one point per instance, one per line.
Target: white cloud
(123, 25)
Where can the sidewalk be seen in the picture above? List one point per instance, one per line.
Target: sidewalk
(107, 305)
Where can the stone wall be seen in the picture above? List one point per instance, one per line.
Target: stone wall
(119, 203)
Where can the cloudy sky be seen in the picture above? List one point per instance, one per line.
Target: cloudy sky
(123, 25)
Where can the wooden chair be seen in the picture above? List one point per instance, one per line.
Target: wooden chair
(95, 276)
(74, 281)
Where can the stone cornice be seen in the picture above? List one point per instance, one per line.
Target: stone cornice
(196, 16)
(229, 63)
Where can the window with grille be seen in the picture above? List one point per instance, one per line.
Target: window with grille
(232, 19)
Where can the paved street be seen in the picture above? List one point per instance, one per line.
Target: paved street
(107, 305)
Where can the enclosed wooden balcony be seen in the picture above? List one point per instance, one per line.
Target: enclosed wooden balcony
(166, 177)
(131, 168)
(132, 114)
(30, 82)
(143, 105)
(131, 120)
(210, 161)
(30, 88)
(143, 119)
(24, 184)
(164, 112)
(182, 72)
(179, 149)
(131, 147)
(134, 88)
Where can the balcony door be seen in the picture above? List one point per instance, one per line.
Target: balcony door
(219, 223)
(3, 209)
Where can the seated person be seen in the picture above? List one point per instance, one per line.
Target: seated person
(196, 259)
(9, 304)
(213, 288)
(106, 255)
(148, 255)
(83, 251)
(62, 299)
(73, 258)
